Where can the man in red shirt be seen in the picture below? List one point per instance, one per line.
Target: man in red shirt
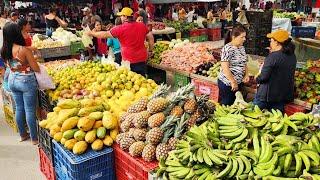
(132, 36)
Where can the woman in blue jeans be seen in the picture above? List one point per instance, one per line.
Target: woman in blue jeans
(22, 81)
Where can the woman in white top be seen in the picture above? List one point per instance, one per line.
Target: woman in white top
(175, 16)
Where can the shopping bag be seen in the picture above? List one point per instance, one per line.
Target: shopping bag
(44, 80)
(242, 19)
(125, 64)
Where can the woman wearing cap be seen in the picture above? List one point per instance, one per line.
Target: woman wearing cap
(132, 36)
(234, 70)
(53, 21)
(276, 80)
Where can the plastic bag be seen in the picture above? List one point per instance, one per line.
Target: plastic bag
(111, 57)
(253, 66)
(125, 64)
(86, 40)
(44, 80)
(242, 19)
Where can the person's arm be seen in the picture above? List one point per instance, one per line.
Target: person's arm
(100, 34)
(266, 71)
(150, 40)
(61, 22)
(109, 42)
(32, 62)
(227, 72)
(246, 75)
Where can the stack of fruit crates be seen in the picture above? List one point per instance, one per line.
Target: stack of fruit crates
(203, 35)
(45, 142)
(291, 108)
(194, 35)
(128, 167)
(45, 104)
(180, 80)
(90, 165)
(46, 166)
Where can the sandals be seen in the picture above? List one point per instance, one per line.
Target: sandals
(36, 142)
(24, 138)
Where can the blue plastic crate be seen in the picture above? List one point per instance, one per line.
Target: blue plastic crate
(91, 165)
(303, 32)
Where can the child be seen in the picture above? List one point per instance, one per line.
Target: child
(101, 46)
(115, 45)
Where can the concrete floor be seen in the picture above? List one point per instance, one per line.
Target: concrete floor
(18, 160)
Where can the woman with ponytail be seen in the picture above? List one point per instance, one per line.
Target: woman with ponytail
(234, 69)
(276, 80)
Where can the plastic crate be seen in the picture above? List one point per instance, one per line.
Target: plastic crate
(214, 34)
(303, 32)
(206, 87)
(55, 52)
(194, 38)
(203, 38)
(180, 80)
(44, 101)
(203, 32)
(91, 165)
(45, 142)
(194, 33)
(291, 108)
(46, 166)
(75, 47)
(130, 168)
(255, 17)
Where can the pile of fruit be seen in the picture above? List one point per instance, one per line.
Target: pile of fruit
(181, 26)
(307, 82)
(42, 43)
(66, 37)
(290, 15)
(157, 25)
(209, 69)
(158, 49)
(151, 126)
(76, 124)
(188, 57)
(178, 43)
(243, 142)
(60, 64)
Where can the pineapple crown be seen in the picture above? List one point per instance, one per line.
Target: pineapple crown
(169, 122)
(162, 91)
(181, 124)
(167, 134)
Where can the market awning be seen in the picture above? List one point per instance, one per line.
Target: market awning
(179, 1)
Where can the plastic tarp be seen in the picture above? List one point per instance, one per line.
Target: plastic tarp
(179, 1)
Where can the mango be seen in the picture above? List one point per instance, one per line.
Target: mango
(87, 110)
(63, 141)
(68, 104)
(114, 133)
(85, 124)
(97, 124)
(95, 116)
(64, 114)
(55, 127)
(70, 143)
(109, 121)
(69, 134)
(108, 141)
(80, 147)
(79, 135)
(101, 132)
(70, 123)
(56, 109)
(43, 123)
(97, 145)
(87, 102)
(91, 136)
(58, 136)
(53, 132)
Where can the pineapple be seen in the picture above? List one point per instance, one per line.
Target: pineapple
(130, 117)
(121, 136)
(190, 106)
(176, 111)
(139, 106)
(136, 148)
(141, 119)
(179, 129)
(157, 105)
(154, 136)
(125, 143)
(193, 119)
(130, 132)
(162, 151)
(156, 120)
(139, 134)
(149, 153)
(124, 116)
(125, 126)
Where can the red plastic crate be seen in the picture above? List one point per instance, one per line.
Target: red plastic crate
(214, 34)
(46, 166)
(203, 32)
(206, 87)
(130, 168)
(291, 108)
(194, 33)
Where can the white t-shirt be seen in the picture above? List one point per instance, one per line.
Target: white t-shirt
(175, 16)
(190, 16)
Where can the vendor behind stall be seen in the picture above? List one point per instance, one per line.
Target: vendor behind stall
(276, 80)
(53, 21)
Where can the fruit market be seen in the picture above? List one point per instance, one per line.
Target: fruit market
(160, 89)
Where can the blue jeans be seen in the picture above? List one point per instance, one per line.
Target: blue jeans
(24, 91)
(140, 68)
(226, 95)
(269, 105)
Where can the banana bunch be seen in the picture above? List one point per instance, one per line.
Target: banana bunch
(300, 118)
(238, 167)
(314, 143)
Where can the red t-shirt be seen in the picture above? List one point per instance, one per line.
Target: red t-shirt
(102, 46)
(132, 36)
(28, 41)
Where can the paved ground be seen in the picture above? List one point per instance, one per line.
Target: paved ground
(18, 160)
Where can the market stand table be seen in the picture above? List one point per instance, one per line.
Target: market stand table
(164, 33)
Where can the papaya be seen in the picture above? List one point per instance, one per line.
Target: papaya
(56, 109)
(64, 114)
(79, 135)
(80, 147)
(87, 102)
(108, 141)
(95, 116)
(70, 123)
(43, 123)
(91, 136)
(53, 132)
(68, 104)
(97, 145)
(101, 132)
(63, 141)
(69, 144)
(97, 124)
(55, 127)
(87, 110)
(106, 106)
(58, 136)
(69, 134)
(109, 121)
(85, 124)
(114, 133)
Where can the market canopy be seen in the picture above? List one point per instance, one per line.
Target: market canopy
(179, 1)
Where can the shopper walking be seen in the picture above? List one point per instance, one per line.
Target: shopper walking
(234, 70)
(53, 21)
(22, 81)
(276, 80)
(115, 44)
(132, 36)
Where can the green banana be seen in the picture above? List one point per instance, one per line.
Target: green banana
(171, 169)
(287, 163)
(256, 146)
(232, 134)
(228, 130)
(195, 147)
(277, 171)
(234, 169)
(241, 166)
(291, 124)
(226, 170)
(260, 123)
(315, 142)
(268, 153)
(204, 175)
(251, 114)
(190, 175)
(312, 155)
(298, 164)
(200, 154)
(228, 127)
(210, 177)
(220, 154)
(257, 110)
(263, 146)
(194, 157)
(241, 137)
(305, 159)
(206, 157)
(182, 173)
(173, 163)
(214, 158)
(246, 163)
(285, 129)
(201, 171)
(278, 127)
(272, 161)
(249, 154)
(264, 172)
(284, 150)
(251, 120)
(242, 177)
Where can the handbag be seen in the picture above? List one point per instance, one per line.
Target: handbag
(44, 80)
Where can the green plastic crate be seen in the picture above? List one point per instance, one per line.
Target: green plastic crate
(180, 80)
(75, 47)
(194, 39)
(203, 38)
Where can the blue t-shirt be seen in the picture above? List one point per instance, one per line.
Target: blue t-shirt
(114, 44)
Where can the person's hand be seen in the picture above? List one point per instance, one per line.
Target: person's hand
(234, 86)
(246, 79)
(88, 33)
